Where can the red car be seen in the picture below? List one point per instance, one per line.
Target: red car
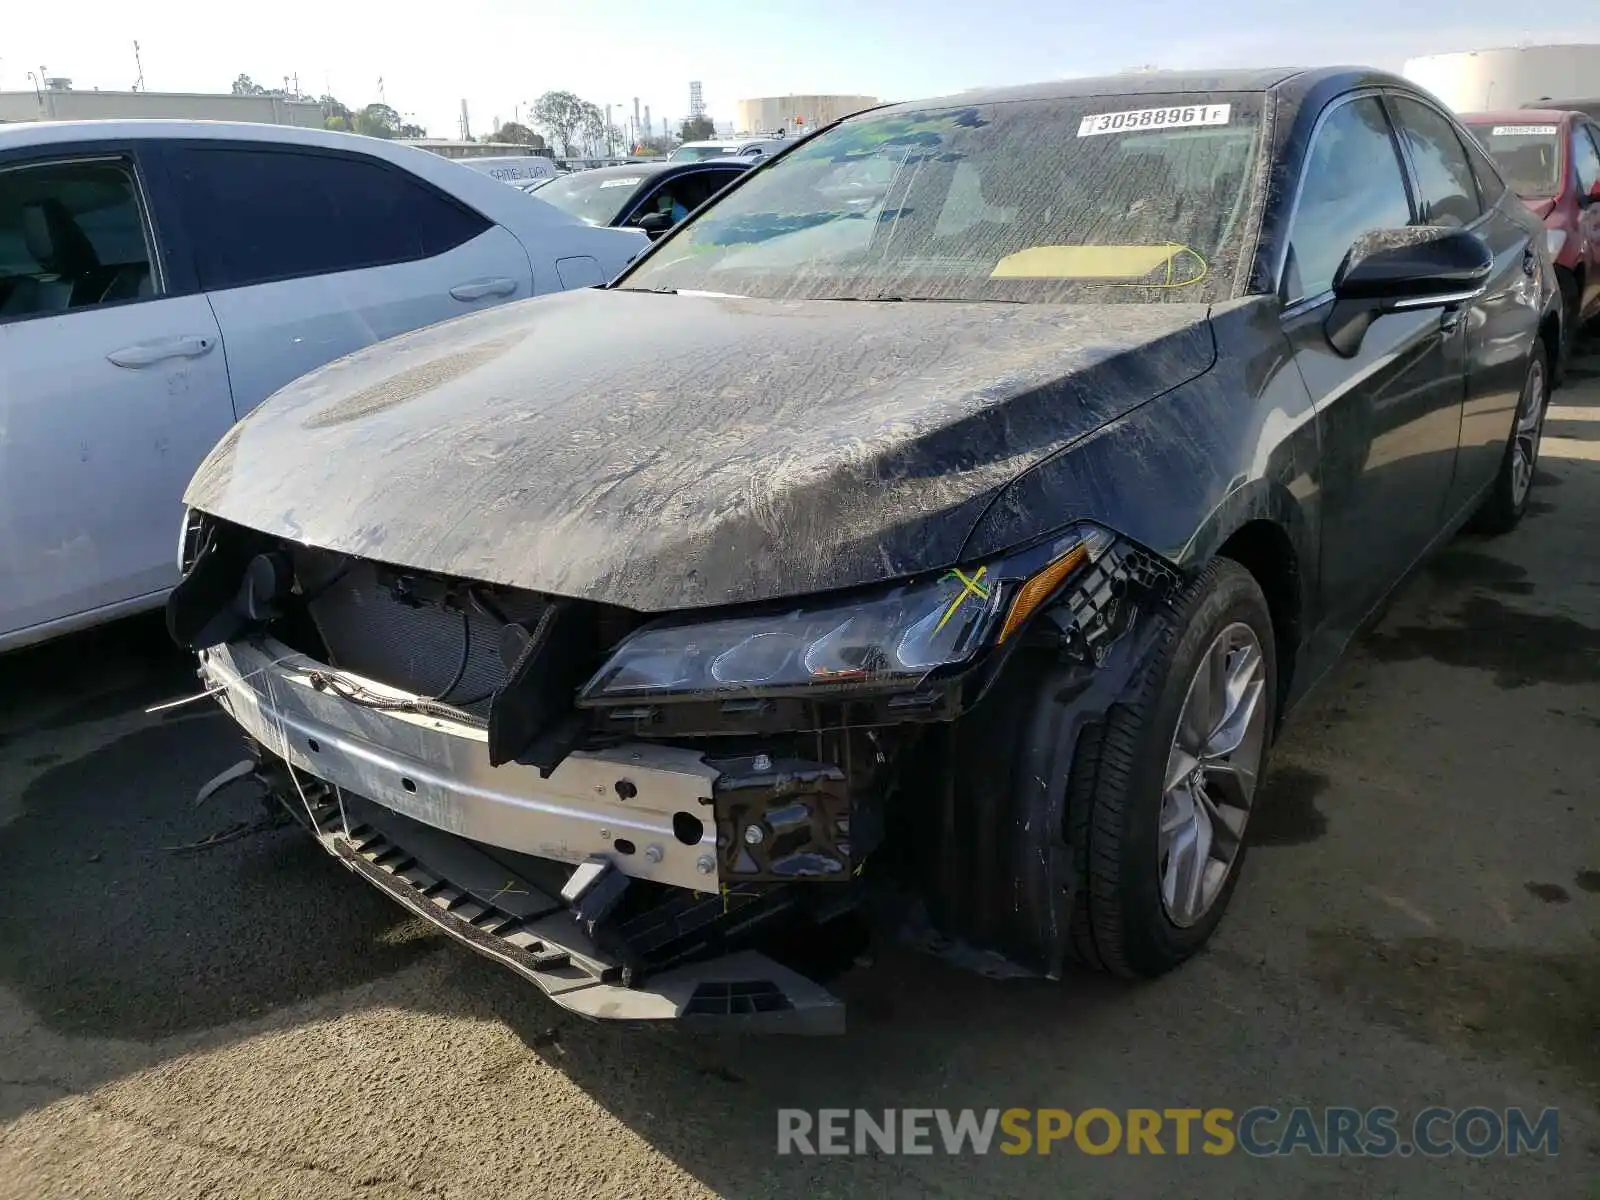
(1552, 160)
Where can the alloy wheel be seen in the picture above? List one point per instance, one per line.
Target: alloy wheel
(1529, 431)
(1211, 775)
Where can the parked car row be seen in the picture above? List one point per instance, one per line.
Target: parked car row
(947, 514)
(1552, 160)
(652, 197)
(159, 279)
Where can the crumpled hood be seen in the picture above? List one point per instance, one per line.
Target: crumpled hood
(676, 451)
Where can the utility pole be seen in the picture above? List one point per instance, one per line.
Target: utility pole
(382, 99)
(138, 84)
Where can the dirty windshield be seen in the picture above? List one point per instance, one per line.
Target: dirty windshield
(593, 196)
(1528, 154)
(1122, 198)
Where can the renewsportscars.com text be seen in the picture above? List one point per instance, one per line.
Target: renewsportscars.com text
(1261, 1131)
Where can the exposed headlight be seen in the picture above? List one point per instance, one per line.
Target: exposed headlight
(889, 639)
(1554, 239)
(188, 537)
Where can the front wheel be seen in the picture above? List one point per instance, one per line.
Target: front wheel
(1508, 498)
(1162, 792)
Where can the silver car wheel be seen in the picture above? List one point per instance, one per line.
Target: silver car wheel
(1211, 774)
(1530, 428)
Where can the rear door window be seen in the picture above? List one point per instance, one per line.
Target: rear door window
(72, 236)
(1449, 192)
(1490, 185)
(258, 214)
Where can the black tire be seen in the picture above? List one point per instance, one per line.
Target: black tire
(1507, 500)
(1119, 923)
(1571, 296)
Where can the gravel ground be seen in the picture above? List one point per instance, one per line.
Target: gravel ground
(1419, 924)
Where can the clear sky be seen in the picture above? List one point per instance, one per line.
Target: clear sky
(499, 54)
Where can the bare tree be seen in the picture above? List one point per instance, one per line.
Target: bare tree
(593, 128)
(560, 114)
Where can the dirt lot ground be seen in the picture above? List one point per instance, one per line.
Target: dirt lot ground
(1419, 924)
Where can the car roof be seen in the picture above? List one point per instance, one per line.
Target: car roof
(1130, 83)
(738, 141)
(502, 158)
(1292, 83)
(507, 205)
(652, 169)
(35, 133)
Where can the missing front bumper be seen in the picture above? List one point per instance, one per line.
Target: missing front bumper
(409, 802)
(646, 807)
(476, 899)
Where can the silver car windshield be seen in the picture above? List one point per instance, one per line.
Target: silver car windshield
(597, 197)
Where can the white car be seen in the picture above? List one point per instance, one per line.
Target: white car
(159, 279)
(513, 168)
(747, 147)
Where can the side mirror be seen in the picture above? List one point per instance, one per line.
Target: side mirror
(1396, 270)
(654, 223)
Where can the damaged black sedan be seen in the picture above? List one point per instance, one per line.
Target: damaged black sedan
(948, 515)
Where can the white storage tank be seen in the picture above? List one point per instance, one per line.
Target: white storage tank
(1512, 77)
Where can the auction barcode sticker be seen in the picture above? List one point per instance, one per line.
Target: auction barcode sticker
(1523, 131)
(1155, 118)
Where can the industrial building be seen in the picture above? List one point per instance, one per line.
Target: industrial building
(1509, 77)
(785, 112)
(62, 103)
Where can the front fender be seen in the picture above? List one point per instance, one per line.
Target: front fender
(1181, 472)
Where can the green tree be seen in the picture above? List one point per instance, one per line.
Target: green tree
(517, 134)
(697, 129)
(335, 115)
(245, 86)
(378, 120)
(559, 114)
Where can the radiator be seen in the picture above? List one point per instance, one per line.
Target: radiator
(418, 647)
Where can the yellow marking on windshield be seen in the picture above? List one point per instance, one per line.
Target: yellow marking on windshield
(1084, 262)
(1100, 264)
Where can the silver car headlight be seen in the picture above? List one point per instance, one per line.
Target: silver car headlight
(889, 639)
(188, 527)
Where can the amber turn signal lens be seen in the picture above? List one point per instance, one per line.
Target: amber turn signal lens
(1040, 588)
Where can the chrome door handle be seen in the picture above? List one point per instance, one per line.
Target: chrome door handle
(144, 354)
(479, 288)
(1449, 319)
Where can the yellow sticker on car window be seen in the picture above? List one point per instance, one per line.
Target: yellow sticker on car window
(1084, 262)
